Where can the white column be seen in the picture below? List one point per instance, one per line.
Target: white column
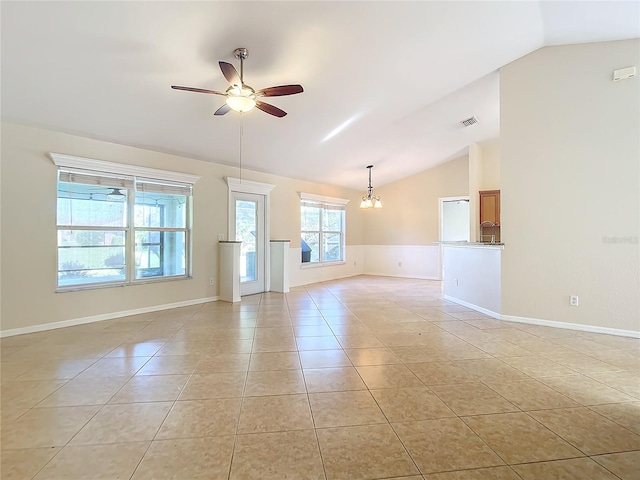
(475, 180)
(280, 266)
(230, 271)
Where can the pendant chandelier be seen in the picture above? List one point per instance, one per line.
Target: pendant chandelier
(370, 200)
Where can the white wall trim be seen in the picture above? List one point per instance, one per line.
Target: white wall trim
(572, 326)
(403, 261)
(546, 323)
(247, 186)
(63, 160)
(323, 198)
(417, 277)
(477, 308)
(106, 316)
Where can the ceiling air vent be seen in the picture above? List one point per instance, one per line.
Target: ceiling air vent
(469, 121)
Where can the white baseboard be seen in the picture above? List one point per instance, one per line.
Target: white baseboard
(546, 323)
(98, 318)
(573, 326)
(418, 277)
(473, 307)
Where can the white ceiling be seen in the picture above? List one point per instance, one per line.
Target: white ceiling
(386, 83)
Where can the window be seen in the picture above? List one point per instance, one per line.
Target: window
(92, 229)
(322, 221)
(119, 229)
(160, 225)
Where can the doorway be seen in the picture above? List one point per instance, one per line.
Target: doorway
(455, 220)
(454, 223)
(247, 226)
(249, 223)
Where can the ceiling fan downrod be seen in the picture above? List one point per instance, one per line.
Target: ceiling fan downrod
(241, 54)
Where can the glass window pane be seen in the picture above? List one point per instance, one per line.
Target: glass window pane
(310, 218)
(89, 256)
(332, 250)
(91, 205)
(332, 220)
(160, 210)
(313, 242)
(160, 254)
(246, 227)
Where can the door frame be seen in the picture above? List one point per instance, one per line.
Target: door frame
(237, 185)
(441, 202)
(256, 284)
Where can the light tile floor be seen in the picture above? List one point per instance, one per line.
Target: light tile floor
(363, 378)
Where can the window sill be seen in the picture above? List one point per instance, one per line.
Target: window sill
(324, 264)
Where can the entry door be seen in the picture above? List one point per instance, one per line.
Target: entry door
(247, 226)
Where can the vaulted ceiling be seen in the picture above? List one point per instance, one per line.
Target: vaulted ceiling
(386, 83)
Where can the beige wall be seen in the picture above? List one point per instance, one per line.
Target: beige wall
(410, 213)
(28, 202)
(570, 176)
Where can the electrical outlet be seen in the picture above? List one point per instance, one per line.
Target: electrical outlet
(399, 264)
(457, 282)
(573, 300)
(220, 237)
(212, 281)
(354, 264)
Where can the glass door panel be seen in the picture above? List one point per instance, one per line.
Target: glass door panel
(246, 228)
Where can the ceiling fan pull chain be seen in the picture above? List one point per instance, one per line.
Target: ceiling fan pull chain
(241, 135)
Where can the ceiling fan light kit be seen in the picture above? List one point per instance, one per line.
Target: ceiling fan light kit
(370, 200)
(241, 97)
(115, 194)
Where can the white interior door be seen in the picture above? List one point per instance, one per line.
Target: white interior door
(247, 226)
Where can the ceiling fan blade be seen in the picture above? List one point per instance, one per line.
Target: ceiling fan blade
(223, 109)
(197, 90)
(280, 91)
(230, 73)
(270, 109)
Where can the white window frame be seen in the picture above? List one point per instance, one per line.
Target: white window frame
(63, 161)
(324, 201)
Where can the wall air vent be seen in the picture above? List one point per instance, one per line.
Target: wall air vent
(469, 121)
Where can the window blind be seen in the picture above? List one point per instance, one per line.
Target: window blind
(95, 178)
(153, 186)
(326, 206)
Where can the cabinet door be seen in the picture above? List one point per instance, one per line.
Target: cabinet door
(490, 206)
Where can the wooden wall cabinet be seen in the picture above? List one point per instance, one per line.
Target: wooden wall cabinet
(490, 212)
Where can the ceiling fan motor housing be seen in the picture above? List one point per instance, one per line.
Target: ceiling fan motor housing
(241, 53)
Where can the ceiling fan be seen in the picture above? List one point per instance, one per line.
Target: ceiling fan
(115, 194)
(240, 96)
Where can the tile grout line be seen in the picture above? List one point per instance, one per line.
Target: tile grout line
(170, 409)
